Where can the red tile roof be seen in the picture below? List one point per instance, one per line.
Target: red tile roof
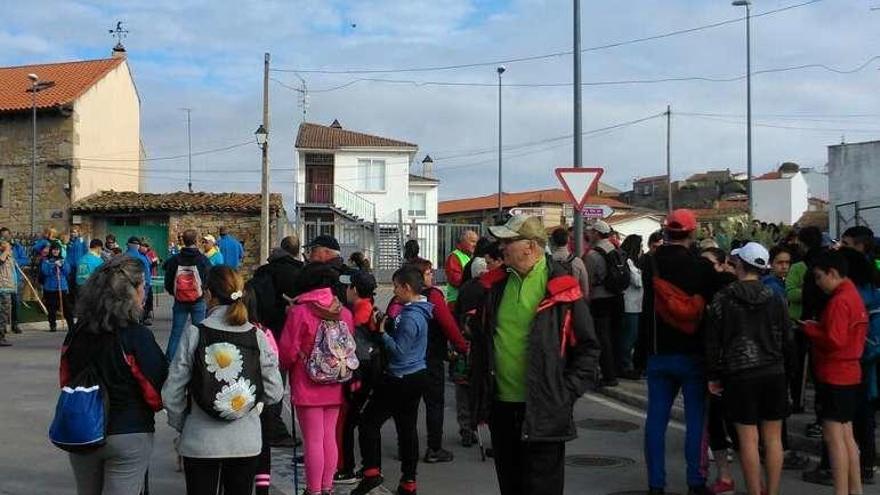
(322, 137)
(72, 79)
(127, 201)
(510, 200)
(769, 176)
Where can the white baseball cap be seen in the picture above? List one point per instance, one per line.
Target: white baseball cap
(753, 254)
(209, 238)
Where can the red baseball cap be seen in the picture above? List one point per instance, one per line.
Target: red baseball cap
(681, 220)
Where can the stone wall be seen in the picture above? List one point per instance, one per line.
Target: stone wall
(54, 147)
(244, 226)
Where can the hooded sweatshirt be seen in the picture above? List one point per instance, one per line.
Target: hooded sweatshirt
(407, 342)
(298, 340)
(747, 332)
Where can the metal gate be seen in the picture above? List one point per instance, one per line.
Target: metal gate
(855, 213)
(382, 243)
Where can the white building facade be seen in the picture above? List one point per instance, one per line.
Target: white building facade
(780, 197)
(853, 186)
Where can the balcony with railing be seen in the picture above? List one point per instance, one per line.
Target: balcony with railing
(346, 201)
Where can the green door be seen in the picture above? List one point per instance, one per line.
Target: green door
(155, 235)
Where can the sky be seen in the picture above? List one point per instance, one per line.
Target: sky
(208, 56)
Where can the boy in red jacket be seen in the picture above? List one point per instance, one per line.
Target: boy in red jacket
(838, 342)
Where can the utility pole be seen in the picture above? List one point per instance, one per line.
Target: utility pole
(36, 86)
(668, 158)
(188, 111)
(578, 151)
(500, 70)
(264, 210)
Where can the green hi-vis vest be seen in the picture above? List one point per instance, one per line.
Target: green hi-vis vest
(464, 259)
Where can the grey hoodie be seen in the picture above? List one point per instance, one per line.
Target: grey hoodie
(202, 436)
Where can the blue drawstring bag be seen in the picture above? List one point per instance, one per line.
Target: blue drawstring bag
(81, 414)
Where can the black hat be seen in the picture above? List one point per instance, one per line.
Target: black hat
(326, 241)
(364, 282)
(134, 240)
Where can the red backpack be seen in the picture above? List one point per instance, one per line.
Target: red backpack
(187, 284)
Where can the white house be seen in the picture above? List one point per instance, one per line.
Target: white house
(636, 223)
(780, 196)
(346, 177)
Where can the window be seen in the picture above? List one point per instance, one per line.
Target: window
(371, 175)
(418, 204)
(646, 190)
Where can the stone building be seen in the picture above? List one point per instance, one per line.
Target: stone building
(88, 138)
(159, 218)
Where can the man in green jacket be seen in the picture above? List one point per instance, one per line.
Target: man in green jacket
(534, 356)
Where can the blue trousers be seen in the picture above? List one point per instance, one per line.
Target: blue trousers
(179, 313)
(667, 374)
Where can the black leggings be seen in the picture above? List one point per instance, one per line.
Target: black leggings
(235, 475)
(435, 402)
(56, 300)
(722, 434)
(396, 398)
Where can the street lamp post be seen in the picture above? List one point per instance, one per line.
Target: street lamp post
(500, 71)
(748, 5)
(36, 87)
(262, 137)
(577, 218)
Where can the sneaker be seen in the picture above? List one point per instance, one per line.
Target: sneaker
(367, 485)
(16, 329)
(814, 430)
(489, 451)
(468, 438)
(868, 475)
(440, 455)
(346, 478)
(5, 343)
(148, 321)
(299, 460)
(53, 329)
(723, 487)
(699, 490)
(818, 476)
(794, 460)
(609, 382)
(406, 488)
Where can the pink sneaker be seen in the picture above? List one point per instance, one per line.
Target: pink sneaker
(722, 487)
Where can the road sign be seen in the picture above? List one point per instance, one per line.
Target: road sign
(596, 211)
(579, 183)
(530, 212)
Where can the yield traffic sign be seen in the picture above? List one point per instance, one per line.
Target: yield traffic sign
(579, 183)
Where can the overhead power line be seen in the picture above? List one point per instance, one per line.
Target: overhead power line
(774, 126)
(621, 82)
(546, 55)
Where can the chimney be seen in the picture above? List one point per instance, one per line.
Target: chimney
(119, 51)
(336, 124)
(428, 167)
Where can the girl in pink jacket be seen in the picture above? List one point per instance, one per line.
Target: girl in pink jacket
(317, 405)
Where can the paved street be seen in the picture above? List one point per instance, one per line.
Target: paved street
(29, 464)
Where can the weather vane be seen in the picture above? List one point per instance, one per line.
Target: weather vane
(119, 33)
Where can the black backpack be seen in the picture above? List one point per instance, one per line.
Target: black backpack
(617, 276)
(227, 380)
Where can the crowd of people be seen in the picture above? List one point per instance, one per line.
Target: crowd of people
(525, 327)
(55, 265)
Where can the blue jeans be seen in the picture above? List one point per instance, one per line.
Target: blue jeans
(667, 374)
(179, 312)
(627, 341)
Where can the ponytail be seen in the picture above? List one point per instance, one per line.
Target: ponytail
(227, 286)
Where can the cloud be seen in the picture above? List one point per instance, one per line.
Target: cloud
(208, 56)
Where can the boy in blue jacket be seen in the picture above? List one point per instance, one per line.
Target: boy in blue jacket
(54, 274)
(399, 393)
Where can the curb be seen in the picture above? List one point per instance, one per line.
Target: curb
(796, 441)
